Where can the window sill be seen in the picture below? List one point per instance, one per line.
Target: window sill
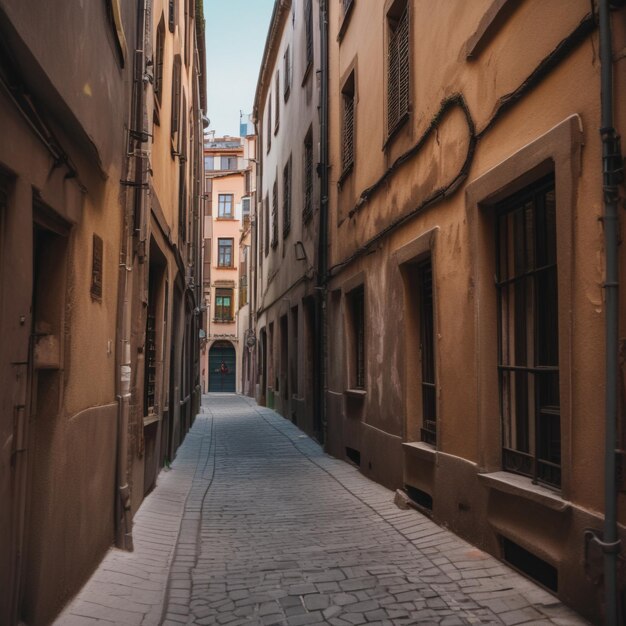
(421, 449)
(231, 321)
(523, 487)
(396, 129)
(356, 393)
(226, 219)
(150, 419)
(225, 267)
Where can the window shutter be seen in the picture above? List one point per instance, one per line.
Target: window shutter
(398, 72)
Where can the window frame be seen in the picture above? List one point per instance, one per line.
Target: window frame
(396, 14)
(225, 251)
(348, 124)
(307, 177)
(220, 294)
(221, 214)
(274, 242)
(287, 184)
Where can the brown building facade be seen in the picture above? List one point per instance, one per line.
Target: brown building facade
(465, 294)
(87, 264)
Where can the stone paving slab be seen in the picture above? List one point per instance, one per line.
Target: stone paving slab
(255, 524)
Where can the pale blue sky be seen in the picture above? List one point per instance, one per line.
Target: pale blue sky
(235, 38)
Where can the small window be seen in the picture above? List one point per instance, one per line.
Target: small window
(158, 62)
(176, 95)
(347, 154)
(225, 205)
(173, 6)
(424, 271)
(269, 123)
(398, 70)
(287, 74)
(277, 93)
(229, 163)
(267, 225)
(224, 252)
(275, 215)
(223, 305)
(245, 206)
(308, 16)
(209, 163)
(307, 206)
(287, 198)
(356, 303)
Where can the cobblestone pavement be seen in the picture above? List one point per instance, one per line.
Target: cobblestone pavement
(273, 531)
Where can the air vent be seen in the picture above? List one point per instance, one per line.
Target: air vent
(423, 499)
(531, 565)
(354, 456)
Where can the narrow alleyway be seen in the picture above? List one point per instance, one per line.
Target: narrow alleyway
(254, 524)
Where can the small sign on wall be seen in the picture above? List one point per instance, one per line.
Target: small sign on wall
(96, 268)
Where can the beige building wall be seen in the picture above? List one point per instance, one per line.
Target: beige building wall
(286, 118)
(492, 109)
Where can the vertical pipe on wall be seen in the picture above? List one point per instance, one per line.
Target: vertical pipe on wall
(612, 176)
(322, 256)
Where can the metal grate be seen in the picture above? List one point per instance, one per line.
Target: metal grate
(348, 130)
(308, 12)
(528, 360)
(287, 198)
(307, 209)
(398, 71)
(275, 215)
(358, 319)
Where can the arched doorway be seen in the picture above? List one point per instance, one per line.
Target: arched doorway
(222, 366)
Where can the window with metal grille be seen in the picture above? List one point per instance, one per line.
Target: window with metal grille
(176, 95)
(287, 74)
(308, 17)
(347, 154)
(357, 307)
(398, 70)
(269, 122)
(224, 252)
(225, 205)
(307, 205)
(267, 225)
(528, 346)
(427, 351)
(287, 198)
(277, 94)
(172, 14)
(223, 305)
(158, 62)
(275, 214)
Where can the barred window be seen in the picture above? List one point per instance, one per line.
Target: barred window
(357, 310)
(158, 61)
(398, 70)
(267, 225)
(277, 94)
(172, 14)
(287, 198)
(427, 351)
(275, 214)
(176, 95)
(287, 72)
(347, 94)
(269, 123)
(528, 346)
(308, 16)
(307, 207)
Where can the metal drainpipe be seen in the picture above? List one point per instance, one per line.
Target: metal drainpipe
(320, 317)
(612, 177)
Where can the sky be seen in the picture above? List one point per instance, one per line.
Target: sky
(235, 39)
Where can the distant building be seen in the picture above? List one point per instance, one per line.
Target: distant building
(226, 165)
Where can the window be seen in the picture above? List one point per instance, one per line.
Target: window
(269, 122)
(287, 198)
(397, 65)
(172, 15)
(346, 5)
(277, 93)
(229, 163)
(287, 73)
(528, 360)
(308, 16)
(158, 63)
(225, 205)
(267, 225)
(209, 163)
(223, 305)
(245, 207)
(356, 301)
(224, 252)
(307, 206)
(347, 154)
(176, 93)
(424, 271)
(275, 215)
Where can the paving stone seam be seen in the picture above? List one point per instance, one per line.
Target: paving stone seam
(199, 477)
